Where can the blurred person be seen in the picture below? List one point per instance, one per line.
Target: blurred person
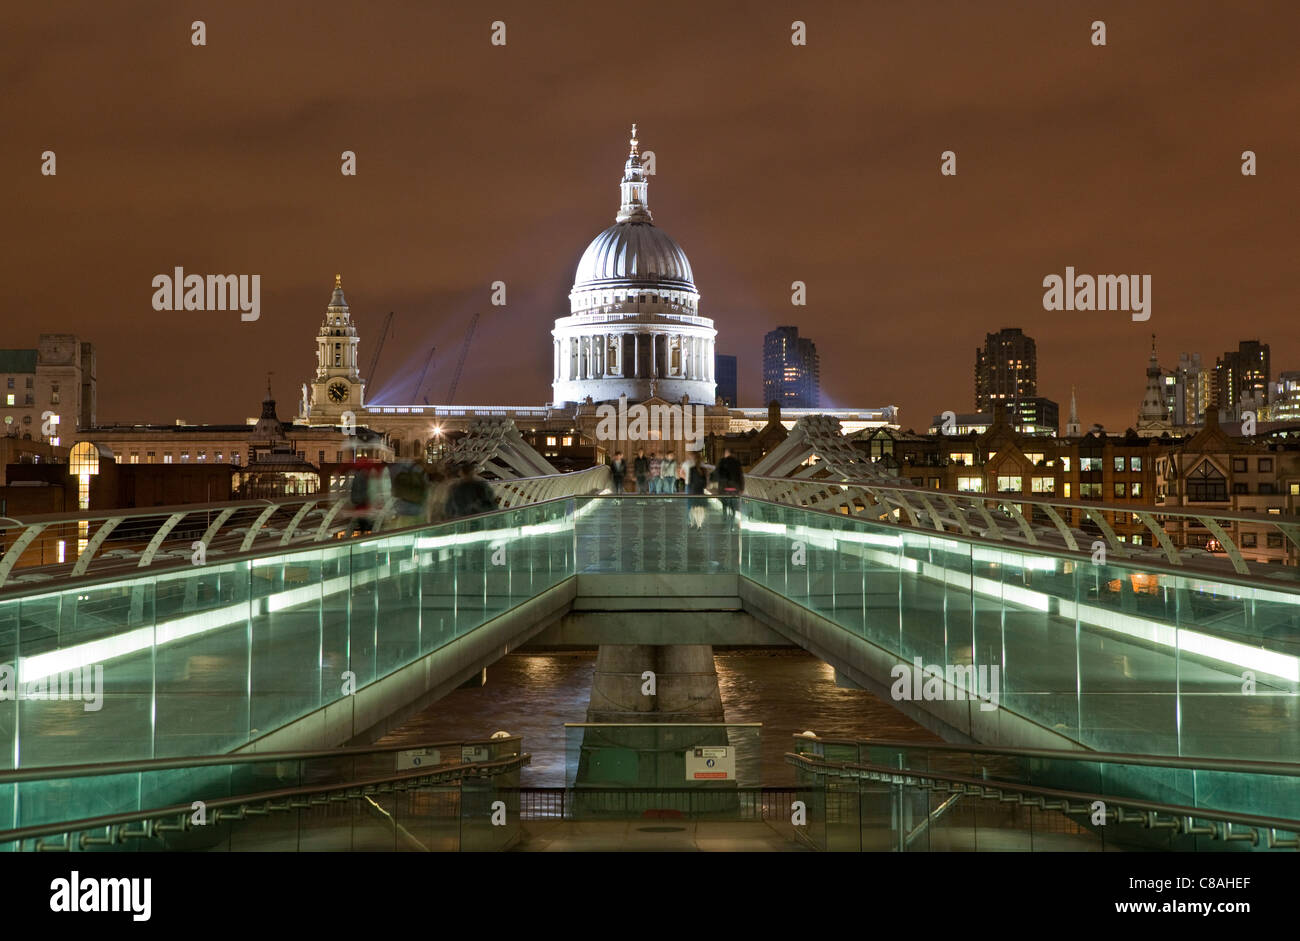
(655, 464)
(470, 495)
(617, 472)
(641, 470)
(697, 477)
(439, 484)
(410, 494)
(731, 481)
(367, 497)
(668, 472)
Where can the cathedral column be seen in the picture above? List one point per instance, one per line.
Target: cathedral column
(636, 356)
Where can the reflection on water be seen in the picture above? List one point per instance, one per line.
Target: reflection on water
(533, 695)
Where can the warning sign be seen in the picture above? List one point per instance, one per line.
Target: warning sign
(710, 763)
(418, 758)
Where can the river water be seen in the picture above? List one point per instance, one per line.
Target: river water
(533, 694)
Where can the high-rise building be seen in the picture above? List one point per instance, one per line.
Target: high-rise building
(1242, 375)
(1286, 397)
(791, 369)
(1192, 391)
(724, 370)
(1006, 369)
(46, 394)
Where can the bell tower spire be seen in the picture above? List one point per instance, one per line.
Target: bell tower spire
(337, 384)
(635, 206)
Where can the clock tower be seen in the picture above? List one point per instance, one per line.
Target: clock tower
(337, 386)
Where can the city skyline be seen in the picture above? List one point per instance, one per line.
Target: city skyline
(904, 268)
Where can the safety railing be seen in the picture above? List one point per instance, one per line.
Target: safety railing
(402, 805)
(1259, 788)
(1124, 656)
(1172, 535)
(111, 804)
(853, 814)
(55, 547)
(114, 667)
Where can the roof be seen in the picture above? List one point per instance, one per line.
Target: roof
(17, 361)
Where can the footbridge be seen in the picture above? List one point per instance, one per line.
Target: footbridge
(990, 620)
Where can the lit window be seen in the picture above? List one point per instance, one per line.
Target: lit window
(568, 442)
(962, 457)
(970, 484)
(1135, 490)
(1010, 484)
(1119, 491)
(1043, 485)
(1135, 463)
(1119, 465)
(550, 442)
(9, 399)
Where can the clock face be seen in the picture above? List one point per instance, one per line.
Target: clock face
(338, 392)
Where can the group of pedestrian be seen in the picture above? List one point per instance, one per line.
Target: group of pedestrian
(419, 494)
(689, 475)
(654, 474)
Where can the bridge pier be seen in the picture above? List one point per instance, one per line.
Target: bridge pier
(672, 691)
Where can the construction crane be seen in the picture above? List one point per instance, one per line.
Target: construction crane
(379, 348)
(419, 386)
(460, 363)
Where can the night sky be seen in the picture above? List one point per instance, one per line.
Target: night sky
(776, 163)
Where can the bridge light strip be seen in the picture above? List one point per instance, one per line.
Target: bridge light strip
(1282, 666)
(45, 665)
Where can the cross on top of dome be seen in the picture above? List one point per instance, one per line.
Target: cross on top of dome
(633, 142)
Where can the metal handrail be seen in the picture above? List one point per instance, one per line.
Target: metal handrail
(42, 772)
(246, 803)
(1183, 817)
(949, 514)
(230, 538)
(1281, 768)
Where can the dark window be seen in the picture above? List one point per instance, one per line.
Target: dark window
(1239, 465)
(1267, 488)
(1266, 464)
(1240, 488)
(1275, 540)
(1206, 485)
(1248, 540)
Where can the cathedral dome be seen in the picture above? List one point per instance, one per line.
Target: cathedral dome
(634, 254)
